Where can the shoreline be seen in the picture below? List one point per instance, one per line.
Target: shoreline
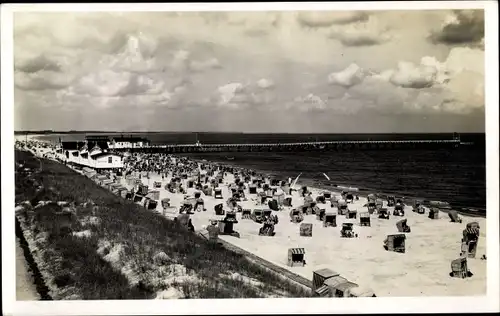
(310, 182)
(334, 189)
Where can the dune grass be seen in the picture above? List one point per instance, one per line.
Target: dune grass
(116, 259)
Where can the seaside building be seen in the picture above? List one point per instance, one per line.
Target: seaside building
(96, 155)
(128, 142)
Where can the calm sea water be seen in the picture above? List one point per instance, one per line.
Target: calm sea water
(457, 176)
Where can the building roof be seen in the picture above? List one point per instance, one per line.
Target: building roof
(101, 144)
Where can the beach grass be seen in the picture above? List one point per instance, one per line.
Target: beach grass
(100, 246)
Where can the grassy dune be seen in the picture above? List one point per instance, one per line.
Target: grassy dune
(100, 246)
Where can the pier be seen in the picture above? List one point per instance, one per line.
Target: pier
(299, 146)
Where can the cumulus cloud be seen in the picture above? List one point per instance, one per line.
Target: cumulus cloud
(265, 83)
(348, 77)
(364, 33)
(329, 18)
(35, 64)
(462, 27)
(99, 64)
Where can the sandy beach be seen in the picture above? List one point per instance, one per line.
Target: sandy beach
(422, 271)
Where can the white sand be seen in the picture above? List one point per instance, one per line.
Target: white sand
(422, 271)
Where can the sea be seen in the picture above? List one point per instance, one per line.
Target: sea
(457, 176)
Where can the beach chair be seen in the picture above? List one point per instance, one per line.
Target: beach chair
(219, 209)
(218, 193)
(154, 195)
(199, 205)
(320, 199)
(395, 242)
(319, 278)
(372, 206)
(296, 216)
(343, 289)
(246, 213)
(379, 203)
(197, 194)
(231, 217)
(138, 198)
(330, 220)
(342, 207)
(470, 239)
(402, 226)
(383, 213)
(320, 215)
(361, 291)
(306, 229)
(454, 216)
(165, 203)
(287, 202)
(347, 231)
(151, 204)
(364, 219)
(267, 229)
(351, 214)
(257, 216)
(398, 210)
(273, 205)
(434, 213)
(142, 190)
(157, 184)
(296, 257)
(391, 201)
(459, 268)
(327, 195)
(227, 228)
(329, 286)
(267, 213)
(371, 198)
(349, 198)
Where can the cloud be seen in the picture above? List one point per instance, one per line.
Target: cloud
(38, 63)
(199, 66)
(462, 27)
(41, 80)
(363, 33)
(348, 77)
(265, 83)
(315, 19)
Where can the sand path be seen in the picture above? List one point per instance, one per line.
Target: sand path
(25, 287)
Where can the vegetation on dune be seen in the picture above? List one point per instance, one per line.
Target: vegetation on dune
(100, 246)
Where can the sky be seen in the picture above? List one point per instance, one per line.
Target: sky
(274, 71)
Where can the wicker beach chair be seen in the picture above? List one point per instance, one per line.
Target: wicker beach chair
(402, 226)
(454, 216)
(434, 213)
(320, 214)
(257, 215)
(398, 210)
(395, 242)
(383, 213)
(219, 209)
(347, 231)
(351, 214)
(246, 213)
(296, 257)
(296, 216)
(470, 239)
(306, 229)
(364, 219)
(330, 220)
(218, 193)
